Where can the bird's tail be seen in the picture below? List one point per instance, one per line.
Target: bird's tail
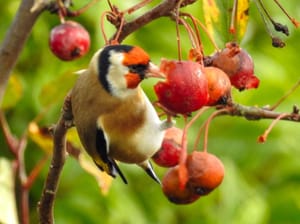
(112, 169)
(147, 166)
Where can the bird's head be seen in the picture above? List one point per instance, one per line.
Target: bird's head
(121, 68)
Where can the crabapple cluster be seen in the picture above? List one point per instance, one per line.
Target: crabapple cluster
(205, 173)
(188, 87)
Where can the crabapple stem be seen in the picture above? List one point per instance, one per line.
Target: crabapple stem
(182, 171)
(102, 26)
(191, 33)
(207, 123)
(232, 28)
(266, 12)
(189, 124)
(197, 35)
(259, 6)
(61, 11)
(262, 138)
(178, 35)
(293, 20)
(211, 39)
(115, 40)
(196, 143)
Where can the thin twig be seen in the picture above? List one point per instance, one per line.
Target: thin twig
(263, 138)
(35, 172)
(46, 204)
(11, 141)
(293, 89)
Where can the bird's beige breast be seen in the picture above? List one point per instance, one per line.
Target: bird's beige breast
(133, 131)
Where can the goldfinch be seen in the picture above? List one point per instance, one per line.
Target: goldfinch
(114, 118)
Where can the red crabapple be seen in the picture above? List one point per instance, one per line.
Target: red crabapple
(185, 89)
(206, 172)
(169, 153)
(172, 190)
(69, 41)
(219, 86)
(238, 65)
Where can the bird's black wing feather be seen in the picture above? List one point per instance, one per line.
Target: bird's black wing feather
(101, 146)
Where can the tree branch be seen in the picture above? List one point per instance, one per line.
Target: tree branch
(163, 9)
(15, 39)
(46, 203)
(257, 113)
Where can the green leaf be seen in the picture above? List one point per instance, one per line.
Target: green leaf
(56, 90)
(242, 18)
(41, 137)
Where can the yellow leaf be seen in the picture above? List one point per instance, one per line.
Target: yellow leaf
(211, 15)
(45, 141)
(242, 17)
(226, 20)
(103, 179)
(41, 137)
(73, 138)
(13, 92)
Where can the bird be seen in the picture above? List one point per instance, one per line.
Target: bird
(114, 118)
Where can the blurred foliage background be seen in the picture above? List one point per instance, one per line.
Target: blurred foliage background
(262, 181)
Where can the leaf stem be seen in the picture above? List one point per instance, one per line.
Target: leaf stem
(293, 89)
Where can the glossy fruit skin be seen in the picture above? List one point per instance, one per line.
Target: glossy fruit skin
(185, 89)
(169, 153)
(171, 189)
(206, 172)
(238, 65)
(69, 41)
(219, 86)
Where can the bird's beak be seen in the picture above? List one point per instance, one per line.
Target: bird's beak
(154, 71)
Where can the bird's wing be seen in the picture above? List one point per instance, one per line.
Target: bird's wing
(107, 164)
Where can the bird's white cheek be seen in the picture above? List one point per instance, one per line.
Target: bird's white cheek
(116, 74)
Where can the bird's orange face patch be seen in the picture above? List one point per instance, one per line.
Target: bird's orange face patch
(136, 56)
(132, 80)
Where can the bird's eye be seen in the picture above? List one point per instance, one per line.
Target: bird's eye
(138, 68)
